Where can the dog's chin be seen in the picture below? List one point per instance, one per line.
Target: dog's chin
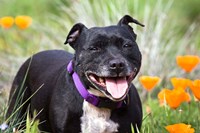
(114, 88)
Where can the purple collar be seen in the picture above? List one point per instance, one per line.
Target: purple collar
(94, 100)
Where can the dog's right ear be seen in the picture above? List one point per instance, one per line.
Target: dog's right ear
(74, 33)
(128, 19)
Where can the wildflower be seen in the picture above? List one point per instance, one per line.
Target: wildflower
(195, 87)
(7, 22)
(179, 128)
(187, 62)
(23, 22)
(3, 126)
(177, 96)
(149, 82)
(180, 82)
(173, 97)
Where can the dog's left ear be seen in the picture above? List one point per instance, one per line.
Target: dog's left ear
(128, 19)
(75, 33)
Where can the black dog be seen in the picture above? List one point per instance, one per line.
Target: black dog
(90, 92)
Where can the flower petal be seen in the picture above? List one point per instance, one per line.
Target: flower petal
(23, 22)
(179, 128)
(187, 62)
(179, 82)
(149, 82)
(195, 87)
(7, 22)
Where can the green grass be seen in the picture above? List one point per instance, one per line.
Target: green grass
(170, 30)
(153, 121)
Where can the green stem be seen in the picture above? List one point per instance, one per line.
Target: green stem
(180, 114)
(198, 117)
(152, 121)
(189, 106)
(149, 97)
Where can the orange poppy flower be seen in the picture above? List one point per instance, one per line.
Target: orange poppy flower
(195, 87)
(173, 97)
(179, 128)
(149, 82)
(180, 82)
(176, 97)
(7, 22)
(23, 22)
(187, 62)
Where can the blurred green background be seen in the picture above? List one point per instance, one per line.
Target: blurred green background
(171, 28)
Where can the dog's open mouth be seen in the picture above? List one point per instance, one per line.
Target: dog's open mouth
(117, 87)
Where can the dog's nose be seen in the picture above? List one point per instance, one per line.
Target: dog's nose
(117, 64)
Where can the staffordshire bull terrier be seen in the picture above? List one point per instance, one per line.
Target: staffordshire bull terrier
(90, 91)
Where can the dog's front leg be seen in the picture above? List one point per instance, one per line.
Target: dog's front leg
(58, 118)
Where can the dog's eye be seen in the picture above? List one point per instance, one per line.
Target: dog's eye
(127, 45)
(92, 48)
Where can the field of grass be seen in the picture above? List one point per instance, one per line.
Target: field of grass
(171, 29)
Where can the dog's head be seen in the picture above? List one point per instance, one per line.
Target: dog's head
(106, 58)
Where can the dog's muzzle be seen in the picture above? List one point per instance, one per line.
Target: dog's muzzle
(94, 100)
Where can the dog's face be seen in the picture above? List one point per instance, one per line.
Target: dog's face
(106, 58)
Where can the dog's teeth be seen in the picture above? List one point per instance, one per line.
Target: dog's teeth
(101, 80)
(92, 78)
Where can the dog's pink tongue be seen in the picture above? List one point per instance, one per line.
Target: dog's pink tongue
(117, 88)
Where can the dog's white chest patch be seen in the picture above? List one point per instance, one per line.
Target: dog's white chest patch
(97, 120)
